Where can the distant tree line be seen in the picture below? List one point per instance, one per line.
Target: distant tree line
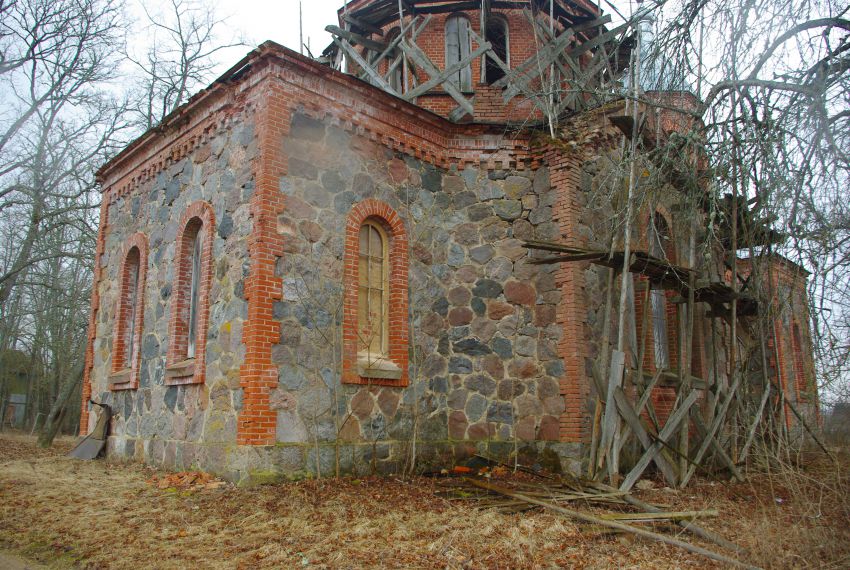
(75, 90)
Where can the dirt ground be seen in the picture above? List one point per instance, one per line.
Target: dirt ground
(67, 513)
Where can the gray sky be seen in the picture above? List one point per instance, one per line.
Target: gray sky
(277, 20)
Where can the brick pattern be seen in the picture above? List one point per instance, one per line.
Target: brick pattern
(398, 291)
(801, 380)
(258, 374)
(135, 253)
(778, 363)
(198, 219)
(571, 314)
(487, 101)
(100, 245)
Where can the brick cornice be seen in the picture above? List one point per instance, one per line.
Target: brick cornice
(373, 113)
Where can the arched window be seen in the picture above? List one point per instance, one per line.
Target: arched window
(375, 319)
(190, 296)
(129, 312)
(660, 245)
(497, 35)
(457, 49)
(372, 298)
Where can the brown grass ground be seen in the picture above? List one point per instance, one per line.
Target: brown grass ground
(69, 513)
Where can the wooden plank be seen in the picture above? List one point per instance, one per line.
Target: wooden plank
(588, 518)
(558, 44)
(661, 516)
(460, 112)
(544, 57)
(719, 416)
(395, 41)
(363, 25)
(610, 422)
(419, 58)
(751, 432)
(687, 525)
(374, 75)
(672, 424)
(633, 421)
(356, 38)
(566, 258)
(721, 453)
(554, 246)
(443, 77)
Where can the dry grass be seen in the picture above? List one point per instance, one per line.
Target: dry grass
(99, 515)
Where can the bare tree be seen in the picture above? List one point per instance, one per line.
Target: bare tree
(179, 59)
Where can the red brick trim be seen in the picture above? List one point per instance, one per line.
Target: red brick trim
(138, 242)
(571, 312)
(258, 374)
(100, 246)
(199, 216)
(398, 285)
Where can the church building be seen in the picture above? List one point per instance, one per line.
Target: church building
(395, 255)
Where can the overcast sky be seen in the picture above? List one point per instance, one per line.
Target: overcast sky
(257, 21)
(277, 20)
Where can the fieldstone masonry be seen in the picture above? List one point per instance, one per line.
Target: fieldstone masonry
(284, 151)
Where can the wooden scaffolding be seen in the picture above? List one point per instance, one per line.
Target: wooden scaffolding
(575, 67)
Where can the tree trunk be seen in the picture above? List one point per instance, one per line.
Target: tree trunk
(54, 419)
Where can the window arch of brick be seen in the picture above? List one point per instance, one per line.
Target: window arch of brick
(187, 331)
(390, 369)
(129, 315)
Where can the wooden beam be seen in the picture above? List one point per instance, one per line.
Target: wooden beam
(633, 421)
(716, 422)
(588, 518)
(419, 58)
(669, 428)
(687, 525)
(374, 75)
(609, 442)
(356, 38)
(721, 453)
(363, 25)
(443, 76)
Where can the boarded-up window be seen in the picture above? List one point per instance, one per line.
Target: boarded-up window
(457, 49)
(188, 327)
(194, 294)
(129, 315)
(659, 244)
(127, 310)
(372, 298)
(132, 305)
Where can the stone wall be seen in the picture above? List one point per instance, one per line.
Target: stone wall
(484, 367)
(180, 426)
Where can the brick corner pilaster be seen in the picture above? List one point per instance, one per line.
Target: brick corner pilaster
(258, 374)
(571, 314)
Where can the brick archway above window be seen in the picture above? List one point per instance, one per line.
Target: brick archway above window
(390, 368)
(187, 330)
(129, 315)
